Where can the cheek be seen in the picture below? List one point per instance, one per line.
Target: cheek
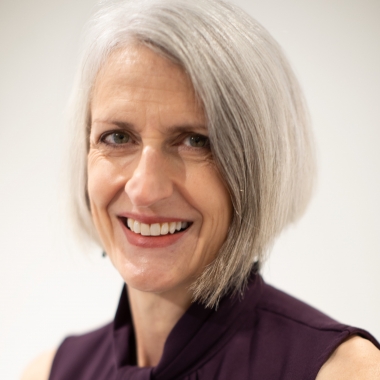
(104, 181)
(104, 185)
(212, 199)
(220, 214)
(99, 188)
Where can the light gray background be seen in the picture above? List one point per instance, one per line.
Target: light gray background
(50, 288)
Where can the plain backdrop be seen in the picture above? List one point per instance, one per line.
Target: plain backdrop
(49, 287)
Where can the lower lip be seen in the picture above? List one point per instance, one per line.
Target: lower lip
(152, 241)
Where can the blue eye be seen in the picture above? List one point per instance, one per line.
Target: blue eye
(197, 141)
(117, 138)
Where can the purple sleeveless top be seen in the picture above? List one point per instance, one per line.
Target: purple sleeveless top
(267, 335)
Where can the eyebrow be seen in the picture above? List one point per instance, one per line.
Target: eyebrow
(171, 129)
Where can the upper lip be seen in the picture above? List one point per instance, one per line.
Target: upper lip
(151, 219)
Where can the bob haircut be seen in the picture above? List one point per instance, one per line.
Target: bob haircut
(256, 116)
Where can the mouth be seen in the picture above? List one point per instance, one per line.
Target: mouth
(155, 229)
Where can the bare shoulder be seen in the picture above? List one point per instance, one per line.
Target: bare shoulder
(356, 358)
(39, 368)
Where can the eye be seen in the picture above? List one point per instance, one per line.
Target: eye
(197, 141)
(116, 138)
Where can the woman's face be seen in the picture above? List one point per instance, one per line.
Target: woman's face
(150, 168)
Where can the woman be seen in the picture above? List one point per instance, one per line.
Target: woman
(193, 153)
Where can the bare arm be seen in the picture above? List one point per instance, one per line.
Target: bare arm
(39, 368)
(355, 359)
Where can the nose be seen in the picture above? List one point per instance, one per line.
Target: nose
(150, 181)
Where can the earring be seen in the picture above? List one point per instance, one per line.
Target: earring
(104, 254)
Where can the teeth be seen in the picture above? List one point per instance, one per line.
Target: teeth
(155, 229)
(136, 227)
(172, 227)
(164, 228)
(145, 229)
(130, 223)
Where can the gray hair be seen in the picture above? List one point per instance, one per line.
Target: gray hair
(256, 116)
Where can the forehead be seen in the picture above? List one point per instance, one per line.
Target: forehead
(138, 59)
(136, 78)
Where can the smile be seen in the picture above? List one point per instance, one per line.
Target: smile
(154, 229)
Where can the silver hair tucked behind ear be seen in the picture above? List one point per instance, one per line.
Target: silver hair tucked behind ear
(257, 119)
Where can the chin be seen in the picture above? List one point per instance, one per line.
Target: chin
(152, 280)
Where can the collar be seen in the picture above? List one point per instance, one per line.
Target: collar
(198, 334)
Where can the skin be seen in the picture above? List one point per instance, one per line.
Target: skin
(39, 368)
(355, 359)
(151, 169)
(160, 174)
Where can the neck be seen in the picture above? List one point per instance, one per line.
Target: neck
(154, 316)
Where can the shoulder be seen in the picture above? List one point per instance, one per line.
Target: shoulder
(356, 358)
(80, 354)
(39, 368)
(325, 345)
(295, 311)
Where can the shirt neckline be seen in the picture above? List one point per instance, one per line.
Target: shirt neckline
(198, 334)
